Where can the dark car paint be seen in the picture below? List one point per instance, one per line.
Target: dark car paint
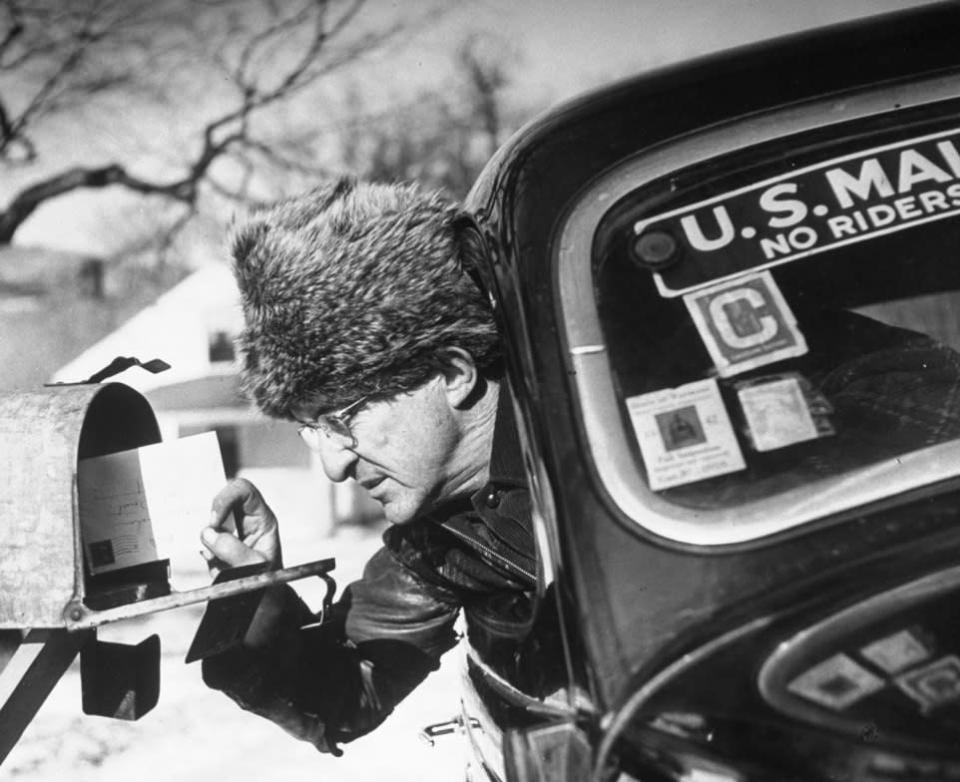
(682, 597)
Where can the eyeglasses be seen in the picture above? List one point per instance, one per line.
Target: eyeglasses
(334, 426)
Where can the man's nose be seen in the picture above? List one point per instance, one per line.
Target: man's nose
(335, 459)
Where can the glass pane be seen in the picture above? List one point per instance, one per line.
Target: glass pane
(789, 313)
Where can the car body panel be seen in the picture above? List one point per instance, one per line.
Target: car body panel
(681, 638)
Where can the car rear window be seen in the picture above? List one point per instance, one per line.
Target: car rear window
(788, 314)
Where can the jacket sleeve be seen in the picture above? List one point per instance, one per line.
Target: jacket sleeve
(333, 682)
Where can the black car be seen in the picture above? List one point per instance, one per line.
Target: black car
(731, 296)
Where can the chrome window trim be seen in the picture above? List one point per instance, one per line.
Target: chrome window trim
(586, 354)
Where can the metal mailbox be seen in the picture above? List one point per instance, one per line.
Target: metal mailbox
(50, 602)
(43, 434)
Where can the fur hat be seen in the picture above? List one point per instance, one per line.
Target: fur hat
(354, 289)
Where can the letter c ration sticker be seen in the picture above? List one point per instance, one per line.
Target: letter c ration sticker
(745, 323)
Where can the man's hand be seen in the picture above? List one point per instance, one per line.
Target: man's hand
(242, 529)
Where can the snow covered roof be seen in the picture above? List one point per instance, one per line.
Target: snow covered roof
(180, 328)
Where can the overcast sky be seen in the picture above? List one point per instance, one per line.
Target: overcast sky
(565, 47)
(568, 45)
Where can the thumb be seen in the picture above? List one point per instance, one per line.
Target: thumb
(228, 548)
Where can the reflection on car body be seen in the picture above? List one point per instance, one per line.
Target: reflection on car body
(733, 321)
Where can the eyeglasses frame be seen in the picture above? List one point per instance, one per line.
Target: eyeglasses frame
(334, 426)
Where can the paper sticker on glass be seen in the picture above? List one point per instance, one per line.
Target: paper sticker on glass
(836, 683)
(745, 323)
(841, 201)
(685, 434)
(896, 652)
(933, 685)
(777, 413)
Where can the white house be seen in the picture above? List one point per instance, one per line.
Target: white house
(192, 327)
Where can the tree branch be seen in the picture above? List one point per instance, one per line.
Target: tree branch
(27, 201)
(251, 47)
(270, 54)
(16, 28)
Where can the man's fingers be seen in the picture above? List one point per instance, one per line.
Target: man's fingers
(242, 529)
(233, 495)
(228, 549)
(238, 498)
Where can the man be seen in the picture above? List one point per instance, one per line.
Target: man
(363, 323)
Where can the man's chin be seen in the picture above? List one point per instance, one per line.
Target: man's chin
(399, 512)
(399, 518)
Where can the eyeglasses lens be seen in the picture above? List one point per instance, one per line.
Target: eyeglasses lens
(336, 428)
(332, 428)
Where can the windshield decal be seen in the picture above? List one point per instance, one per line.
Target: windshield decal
(936, 684)
(896, 652)
(837, 683)
(745, 323)
(685, 434)
(838, 202)
(781, 410)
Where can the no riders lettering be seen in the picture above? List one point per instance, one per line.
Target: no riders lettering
(872, 193)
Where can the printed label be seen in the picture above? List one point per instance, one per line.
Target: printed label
(933, 685)
(685, 434)
(837, 202)
(836, 683)
(777, 414)
(896, 652)
(745, 323)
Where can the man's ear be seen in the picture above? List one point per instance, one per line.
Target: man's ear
(461, 377)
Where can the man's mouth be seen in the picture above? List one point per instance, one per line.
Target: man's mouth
(371, 483)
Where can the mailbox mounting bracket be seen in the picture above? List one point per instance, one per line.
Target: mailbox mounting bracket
(78, 616)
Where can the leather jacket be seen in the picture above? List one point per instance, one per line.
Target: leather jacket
(331, 682)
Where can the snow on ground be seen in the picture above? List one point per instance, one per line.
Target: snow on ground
(195, 734)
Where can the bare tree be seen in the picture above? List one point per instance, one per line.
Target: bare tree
(243, 60)
(443, 137)
(485, 63)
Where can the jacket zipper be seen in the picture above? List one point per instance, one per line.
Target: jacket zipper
(490, 552)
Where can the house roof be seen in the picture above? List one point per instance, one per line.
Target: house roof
(50, 312)
(190, 327)
(212, 391)
(176, 328)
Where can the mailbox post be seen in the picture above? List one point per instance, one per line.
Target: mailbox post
(50, 603)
